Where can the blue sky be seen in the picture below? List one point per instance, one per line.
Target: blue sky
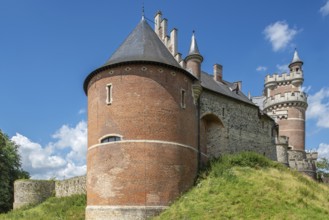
(49, 47)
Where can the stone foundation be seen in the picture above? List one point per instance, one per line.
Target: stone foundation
(123, 212)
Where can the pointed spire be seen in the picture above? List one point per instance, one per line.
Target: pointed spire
(296, 57)
(194, 46)
(143, 12)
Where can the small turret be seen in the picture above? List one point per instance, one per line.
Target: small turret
(194, 58)
(296, 63)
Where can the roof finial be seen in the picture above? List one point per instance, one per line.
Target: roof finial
(143, 12)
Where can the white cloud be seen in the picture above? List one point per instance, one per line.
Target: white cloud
(64, 158)
(318, 107)
(306, 89)
(323, 151)
(82, 111)
(279, 34)
(261, 68)
(324, 10)
(282, 68)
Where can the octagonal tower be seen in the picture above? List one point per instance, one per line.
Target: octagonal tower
(142, 130)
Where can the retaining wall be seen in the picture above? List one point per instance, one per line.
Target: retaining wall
(27, 192)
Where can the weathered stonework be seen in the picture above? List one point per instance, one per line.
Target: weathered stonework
(282, 150)
(69, 187)
(230, 126)
(27, 192)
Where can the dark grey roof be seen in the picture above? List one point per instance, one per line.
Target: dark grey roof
(194, 49)
(224, 88)
(142, 45)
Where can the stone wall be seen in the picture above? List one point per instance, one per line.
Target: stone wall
(73, 186)
(230, 126)
(28, 192)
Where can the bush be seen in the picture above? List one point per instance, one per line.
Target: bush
(223, 165)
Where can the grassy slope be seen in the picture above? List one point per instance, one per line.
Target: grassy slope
(243, 186)
(68, 208)
(251, 188)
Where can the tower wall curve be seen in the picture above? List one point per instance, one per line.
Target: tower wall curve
(150, 108)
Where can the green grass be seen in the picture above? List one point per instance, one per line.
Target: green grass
(249, 186)
(67, 208)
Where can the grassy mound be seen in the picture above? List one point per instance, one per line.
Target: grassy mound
(249, 186)
(242, 186)
(68, 208)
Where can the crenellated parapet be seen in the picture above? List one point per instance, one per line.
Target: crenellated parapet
(295, 77)
(285, 100)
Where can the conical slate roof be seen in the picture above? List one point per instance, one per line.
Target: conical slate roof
(194, 49)
(296, 58)
(142, 45)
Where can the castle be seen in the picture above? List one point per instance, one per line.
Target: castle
(155, 118)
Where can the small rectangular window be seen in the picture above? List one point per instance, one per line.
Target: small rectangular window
(183, 94)
(109, 94)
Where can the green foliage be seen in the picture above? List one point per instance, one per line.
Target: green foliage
(249, 186)
(222, 165)
(10, 170)
(322, 166)
(68, 208)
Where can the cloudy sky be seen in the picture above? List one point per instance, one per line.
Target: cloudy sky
(47, 48)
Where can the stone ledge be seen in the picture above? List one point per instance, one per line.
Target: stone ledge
(123, 212)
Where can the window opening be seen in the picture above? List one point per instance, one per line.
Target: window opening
(110, 139)
(109, 94)
(183, 94)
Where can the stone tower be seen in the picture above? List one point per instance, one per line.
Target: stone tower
(286, 103)
(142, 130)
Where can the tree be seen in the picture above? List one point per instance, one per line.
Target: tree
(322, 167)
(10, 170)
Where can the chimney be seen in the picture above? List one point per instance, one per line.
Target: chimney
(157, 22)
(173, 42)
(218, 73)
(164, 25)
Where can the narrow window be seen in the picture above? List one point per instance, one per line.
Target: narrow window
(223, 112)
(183, 94)
(110, 139)
(109, 94)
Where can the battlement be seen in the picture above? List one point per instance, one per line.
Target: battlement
(286, 99)
(295, 77)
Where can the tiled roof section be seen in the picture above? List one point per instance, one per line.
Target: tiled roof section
(142, 45)
(224, 88)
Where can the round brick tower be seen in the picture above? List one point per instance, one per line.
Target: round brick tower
(142, 130)
(287, 103)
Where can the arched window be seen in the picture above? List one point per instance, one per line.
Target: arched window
(110, 139)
